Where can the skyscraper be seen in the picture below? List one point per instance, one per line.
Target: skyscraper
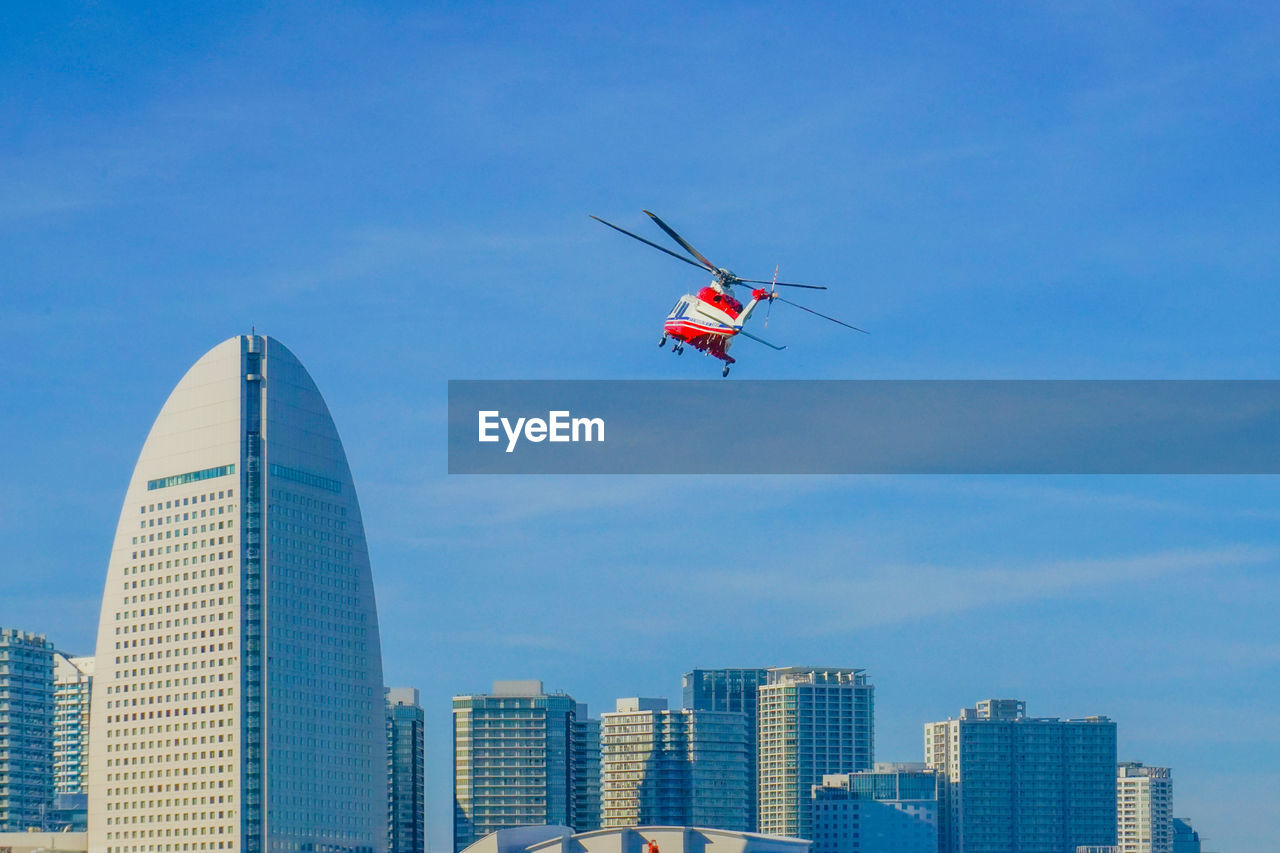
(1144, 808)
(26, 729)
(237, 700)
(812, 722)
(406, 791)
(1019, 784)
(731, 690)
(512, 760)
(586, 771)
(672, 768)
(72, 683)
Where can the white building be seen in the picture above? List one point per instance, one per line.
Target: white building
(1144, 808)
(237, 700)
(813, 721)
(640, 839)
(44, 842)
(673, 768)
(1019, 784)
(72, 683)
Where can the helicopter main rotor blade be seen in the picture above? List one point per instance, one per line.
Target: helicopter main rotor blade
(747, 334)
(648, 242)
(823, 316)
(674, 236)
(781, 283)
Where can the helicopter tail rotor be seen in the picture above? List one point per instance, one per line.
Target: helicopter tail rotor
(773, 294)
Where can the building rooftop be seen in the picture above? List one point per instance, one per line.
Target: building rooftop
(636, 839)
(816, 675)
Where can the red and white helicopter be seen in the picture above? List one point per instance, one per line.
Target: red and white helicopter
(712, 318)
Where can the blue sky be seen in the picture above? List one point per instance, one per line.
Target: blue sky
(400, 194)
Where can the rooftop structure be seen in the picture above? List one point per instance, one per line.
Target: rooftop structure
(640, 839)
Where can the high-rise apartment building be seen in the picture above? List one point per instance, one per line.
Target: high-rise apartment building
(26, 729)
(813, 721)
(731, 690)
(237, 696)
(672, 768)
(891, 809)
(586, 771)
(72, 683)
(1144, 808)
(406, 779)
(1019, 784)
(512, 760)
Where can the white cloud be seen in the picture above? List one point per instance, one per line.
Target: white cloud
(839, 598)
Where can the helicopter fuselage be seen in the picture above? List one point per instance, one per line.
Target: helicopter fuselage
(709, 320)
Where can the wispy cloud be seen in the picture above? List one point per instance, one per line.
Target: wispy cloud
(840, 599)
(482, 501)
(516, 640)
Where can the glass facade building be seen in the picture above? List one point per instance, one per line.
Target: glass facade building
(26, 729)
(731, 690)
(586, 771)
(237, 702)
(1185, 837)
(812, 722)
(406, 779)
(513, 761)
(672, 768)
(891, 809)
(1019, 784)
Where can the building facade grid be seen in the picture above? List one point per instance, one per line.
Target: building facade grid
(811, 722)
(512, 759)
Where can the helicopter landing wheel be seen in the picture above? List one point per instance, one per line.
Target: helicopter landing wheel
(662, 341)
(725, 372)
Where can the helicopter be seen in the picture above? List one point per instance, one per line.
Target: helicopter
(710, 319)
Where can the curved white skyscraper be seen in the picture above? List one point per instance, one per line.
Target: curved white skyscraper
(238, 699)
